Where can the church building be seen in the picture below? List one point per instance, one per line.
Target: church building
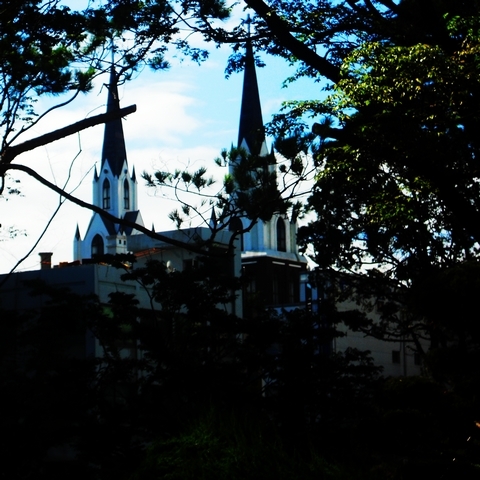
(269, 256)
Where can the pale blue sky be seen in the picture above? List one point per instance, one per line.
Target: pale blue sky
(185, 116)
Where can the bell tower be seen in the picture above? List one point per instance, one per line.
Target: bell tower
(278, 233)
(114, 190)
(270, 260)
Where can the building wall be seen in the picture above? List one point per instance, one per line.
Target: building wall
(396, 358)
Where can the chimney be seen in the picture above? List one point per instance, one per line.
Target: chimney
(45, 260)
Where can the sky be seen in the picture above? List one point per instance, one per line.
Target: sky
(185, 116)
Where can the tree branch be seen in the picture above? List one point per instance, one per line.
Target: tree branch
(19, 262)
(11, 152)
(390, 5)
(200, 248)
(281, 30)
(371, 8)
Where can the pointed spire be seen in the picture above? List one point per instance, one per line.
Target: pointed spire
(113, 141)
(77, 234)
(213, 220)
(251, 129)
(134, 175)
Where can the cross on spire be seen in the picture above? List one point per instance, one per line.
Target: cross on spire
(248, 21)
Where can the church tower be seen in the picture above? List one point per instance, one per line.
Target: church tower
(251, 132)
(114, 190)
(270, 255)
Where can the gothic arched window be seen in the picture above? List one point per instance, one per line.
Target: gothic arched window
(126, 195)
(97, 246)
(281, 236)
(106, 194)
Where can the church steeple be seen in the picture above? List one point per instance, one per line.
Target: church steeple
(275, 234)
(113, 140)
(114, 190)
(269, 255)
(251, 132)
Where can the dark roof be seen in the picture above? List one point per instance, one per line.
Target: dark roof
(133, 216)
(114, 141)
(251, 127)
(112, 229)
(109, 225)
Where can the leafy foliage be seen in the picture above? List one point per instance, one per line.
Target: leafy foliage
(222, 445)
(396, 196)
(157, 370)
(396, 150)
(397, 186)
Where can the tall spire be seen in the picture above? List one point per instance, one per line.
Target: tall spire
(251, 129)
(113, 141)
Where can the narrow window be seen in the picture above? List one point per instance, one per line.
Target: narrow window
(97, 246)
(281, 236)
(251, 287)
(291, 291)
(237, 226)
(106, 194)
(126, 195)
(417, 359)
(395, 356)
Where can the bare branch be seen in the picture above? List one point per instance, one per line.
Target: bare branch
(43, 115)
(200, 248)
(281, 30)
(11, 152)
(44, 231)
